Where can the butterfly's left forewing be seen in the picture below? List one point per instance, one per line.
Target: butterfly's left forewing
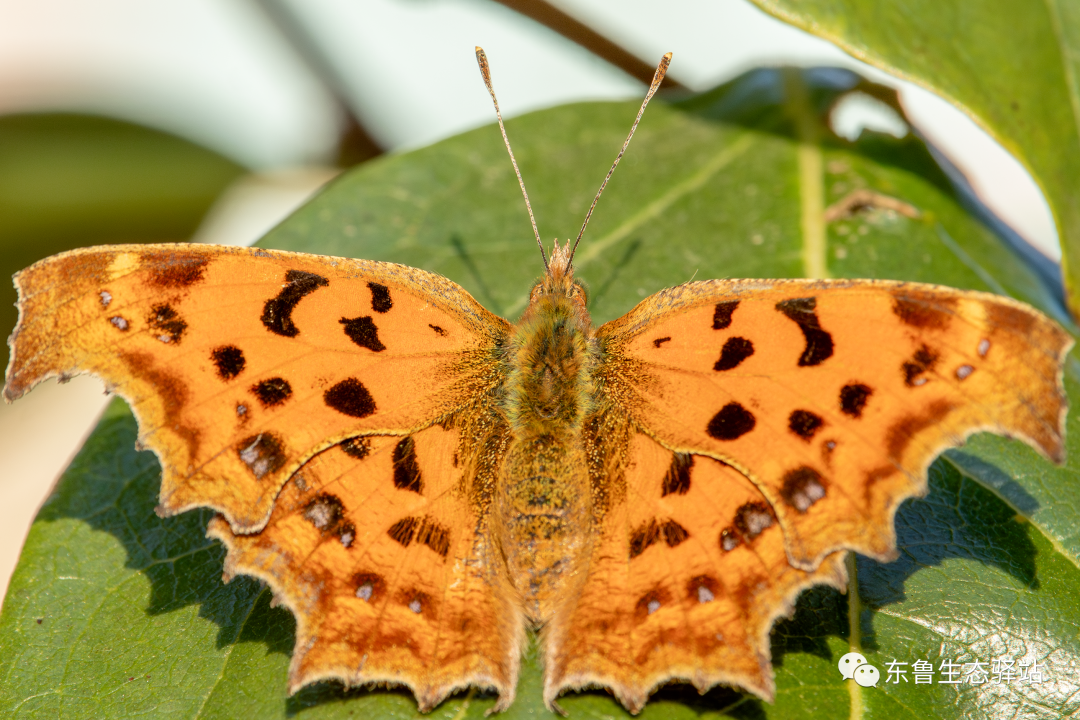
(242, 363)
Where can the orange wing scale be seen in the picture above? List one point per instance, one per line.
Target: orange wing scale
(219, 349)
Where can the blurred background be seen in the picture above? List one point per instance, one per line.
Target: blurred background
(211, 120)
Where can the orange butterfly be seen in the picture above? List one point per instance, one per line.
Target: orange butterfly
(421, 481)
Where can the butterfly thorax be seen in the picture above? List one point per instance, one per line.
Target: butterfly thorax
(543, 500)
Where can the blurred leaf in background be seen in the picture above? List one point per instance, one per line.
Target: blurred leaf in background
(71, 180)
(114, 612)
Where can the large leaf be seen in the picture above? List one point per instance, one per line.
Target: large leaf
(1014, 67)
(115, 612)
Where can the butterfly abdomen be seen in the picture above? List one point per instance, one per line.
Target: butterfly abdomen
(543, 503)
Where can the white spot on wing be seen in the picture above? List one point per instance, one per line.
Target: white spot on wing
(809, 494)
(415, 606)
(119, 323)
(984, 347)
(253, 457)
(963, 371)
(319, 515)
(106, 298)
(365, 591)
(757, 522)
(729, 542)
(704, 594)
(653, 606)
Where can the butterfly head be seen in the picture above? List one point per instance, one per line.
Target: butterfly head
(558, 288)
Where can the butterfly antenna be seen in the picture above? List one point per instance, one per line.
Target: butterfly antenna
(658, 77)
(485, 70)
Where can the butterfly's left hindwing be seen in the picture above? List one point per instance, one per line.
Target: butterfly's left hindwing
(381, 548)
(242, 363)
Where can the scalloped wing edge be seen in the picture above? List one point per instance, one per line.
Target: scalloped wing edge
(831, 573)
(427, 696)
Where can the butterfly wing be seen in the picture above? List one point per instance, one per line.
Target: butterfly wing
(834, 397)
(242, 363)
(687, 575)
(747, 432)
(245, 365)
(377, 547)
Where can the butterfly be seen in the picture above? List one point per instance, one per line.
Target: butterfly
(420, 481)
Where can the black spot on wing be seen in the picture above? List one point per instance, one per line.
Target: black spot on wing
(272, 392)
(653, 532)
(804, 423)
(363, 332)
(404, 530)
(722, 314)
(735, 350)
(660, 341)
(407, 475)
(853, 398)
(357, 448)
(423, 530)
(819, 344)
(644, 536)
(166, 323)
(731, 422)
(350, 397)
(380, 297)
(677, 480)
(277, 312)
(434, 535)
(438, 330)
(673, 533)
(229, 361)
(920, 363)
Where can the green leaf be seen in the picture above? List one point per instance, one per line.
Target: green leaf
(73, 180)
(734, 182)
(1014, 67)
